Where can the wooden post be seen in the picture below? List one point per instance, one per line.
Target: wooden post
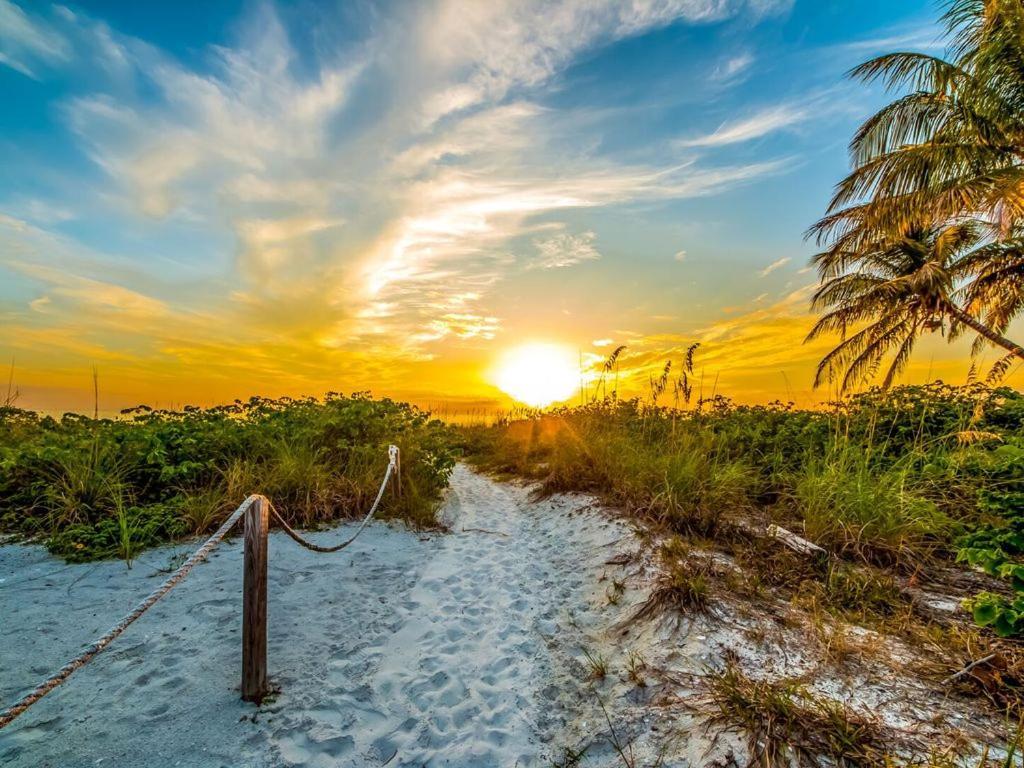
(254, 602)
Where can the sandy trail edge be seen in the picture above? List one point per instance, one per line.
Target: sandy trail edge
(457, 650)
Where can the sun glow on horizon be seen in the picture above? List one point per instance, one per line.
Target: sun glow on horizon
(538, 374)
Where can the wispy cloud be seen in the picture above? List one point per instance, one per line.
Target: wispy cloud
(927, 37)
(733, 68)
(25, 41)
(760, 124)
(777, 264)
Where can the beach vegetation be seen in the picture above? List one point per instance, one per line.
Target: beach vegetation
(894, 485)
(93, 488)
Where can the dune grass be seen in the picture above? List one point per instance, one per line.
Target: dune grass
(896, 480)
(94, 488)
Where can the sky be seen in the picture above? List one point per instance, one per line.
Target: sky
(205, 201)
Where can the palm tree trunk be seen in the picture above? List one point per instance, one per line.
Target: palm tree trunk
(1001, 341)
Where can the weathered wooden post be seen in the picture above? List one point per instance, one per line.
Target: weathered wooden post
(254, 602)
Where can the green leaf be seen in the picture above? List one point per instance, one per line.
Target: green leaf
(1006, 624)
(986, 610)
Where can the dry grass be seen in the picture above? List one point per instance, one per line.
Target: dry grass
(597, 665)
(682, 587)
(785, 725)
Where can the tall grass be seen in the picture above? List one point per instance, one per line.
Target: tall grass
(879, 514)
(884, 478)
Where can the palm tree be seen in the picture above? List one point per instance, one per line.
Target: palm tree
(894, 286)
(941, 170)
(953, 145)
(996, 290)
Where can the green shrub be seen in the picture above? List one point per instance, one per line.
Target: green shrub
(103, 488)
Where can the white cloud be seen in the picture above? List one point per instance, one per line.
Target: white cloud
(777, 264)
(565, 250)
(25, 41)
(754, 127)
(733, 68)
(249, 120)
(603, 342)
(680, 256)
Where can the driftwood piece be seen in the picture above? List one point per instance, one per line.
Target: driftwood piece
(798, 544)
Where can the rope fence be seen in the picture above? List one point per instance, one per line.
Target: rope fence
(256, 509)
(393, 467)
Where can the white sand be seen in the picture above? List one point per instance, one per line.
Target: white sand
(462, 649)
(445, 650)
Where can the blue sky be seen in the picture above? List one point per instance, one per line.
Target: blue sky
(209, 199)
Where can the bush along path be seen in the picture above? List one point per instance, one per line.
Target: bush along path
(98, 488)
(534, 632)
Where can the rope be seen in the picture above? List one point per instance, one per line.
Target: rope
(9, 714)
(66, 671)
(392, 465)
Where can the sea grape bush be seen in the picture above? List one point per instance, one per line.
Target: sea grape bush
(99, 488)
(997, 545)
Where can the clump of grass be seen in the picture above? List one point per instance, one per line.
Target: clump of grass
(838, 645)
(856, 593)
(596, 664)
(297, 477)
(82, 486)
(682, 586)
(765, 563)
(128, 543)
(203, 508)
(786, 725)
(862, 591)
(636, 667)
(853, 509)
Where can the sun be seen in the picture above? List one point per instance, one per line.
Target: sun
(538, 374)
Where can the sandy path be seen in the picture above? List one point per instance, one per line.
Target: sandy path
(445, 650)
